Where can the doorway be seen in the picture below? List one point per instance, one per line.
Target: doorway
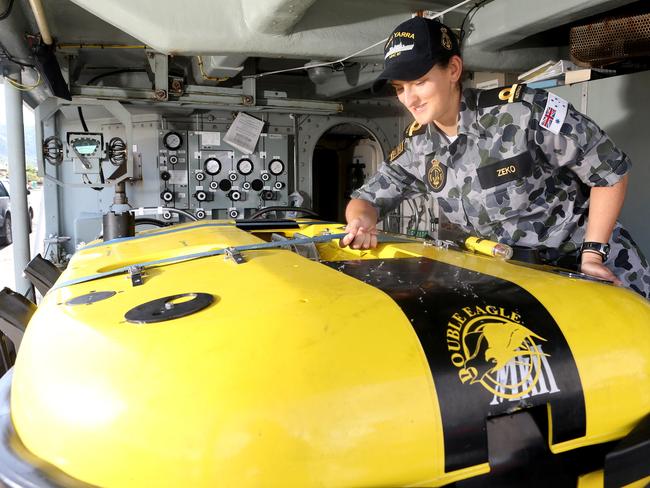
(344, 157)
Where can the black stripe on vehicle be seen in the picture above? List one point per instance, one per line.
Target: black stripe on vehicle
(469, 323)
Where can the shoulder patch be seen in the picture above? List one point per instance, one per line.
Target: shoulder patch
(501, 96)
(554, 113)
(397, 151)
(415, 129)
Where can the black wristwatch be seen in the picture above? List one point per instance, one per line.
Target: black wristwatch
(597, 247)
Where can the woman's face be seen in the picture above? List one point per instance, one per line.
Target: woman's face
(434, 96)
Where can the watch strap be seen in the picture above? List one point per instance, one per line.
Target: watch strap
(597, 247)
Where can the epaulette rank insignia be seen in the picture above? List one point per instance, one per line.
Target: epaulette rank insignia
(415, 129)
(397, 151)
(500, 96)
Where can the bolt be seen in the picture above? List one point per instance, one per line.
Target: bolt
(177, 86)
(247, 100)
(161, 94)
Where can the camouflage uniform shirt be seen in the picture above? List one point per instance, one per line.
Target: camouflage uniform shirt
(519, 172)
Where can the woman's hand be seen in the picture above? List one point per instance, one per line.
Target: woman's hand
(592, 265)
(362, 234)
(362, 225)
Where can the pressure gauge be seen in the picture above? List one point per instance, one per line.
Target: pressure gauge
(172, 141)
(276, 167)
(212, 166)
(245, 166)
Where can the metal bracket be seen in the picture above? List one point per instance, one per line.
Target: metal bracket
(249, 88)
(232, 253)
(160, 66)
(136, 275)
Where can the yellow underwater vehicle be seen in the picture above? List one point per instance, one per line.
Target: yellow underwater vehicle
(260, 353)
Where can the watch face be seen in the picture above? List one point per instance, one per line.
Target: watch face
(212, 166)
(172, 140)
(276, 167)
(245, 166)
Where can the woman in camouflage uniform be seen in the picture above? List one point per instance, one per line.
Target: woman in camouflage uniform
(516, 165)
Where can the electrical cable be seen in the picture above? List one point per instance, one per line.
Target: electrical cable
(205, 76)
(469, 12)
(7, 11)
(331, 63)
(116, 151)
(53, 150)
(179, 211)
(81, 118)
(115, 72)
(6, 54)
(19, 86)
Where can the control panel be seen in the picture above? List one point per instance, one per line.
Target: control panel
(173, 169)
(225, 183)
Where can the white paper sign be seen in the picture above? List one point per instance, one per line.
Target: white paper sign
(244, 133)
(210, 139)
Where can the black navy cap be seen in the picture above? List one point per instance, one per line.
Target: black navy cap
(414, 47)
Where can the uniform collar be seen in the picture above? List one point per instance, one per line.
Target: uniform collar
(468, 112)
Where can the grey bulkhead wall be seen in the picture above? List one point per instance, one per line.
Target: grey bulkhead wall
(79, 211)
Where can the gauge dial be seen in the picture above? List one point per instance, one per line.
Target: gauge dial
(276, 167)
(245, 166)
(212, 166)
(172, 141)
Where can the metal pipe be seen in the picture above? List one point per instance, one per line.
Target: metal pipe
(296, 148)
(17, 181)
(69, 45)
(39, 14)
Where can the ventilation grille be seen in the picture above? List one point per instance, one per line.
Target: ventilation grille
(611, 41)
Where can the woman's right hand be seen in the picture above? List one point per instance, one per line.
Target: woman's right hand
(361, 235)
(362, 225)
